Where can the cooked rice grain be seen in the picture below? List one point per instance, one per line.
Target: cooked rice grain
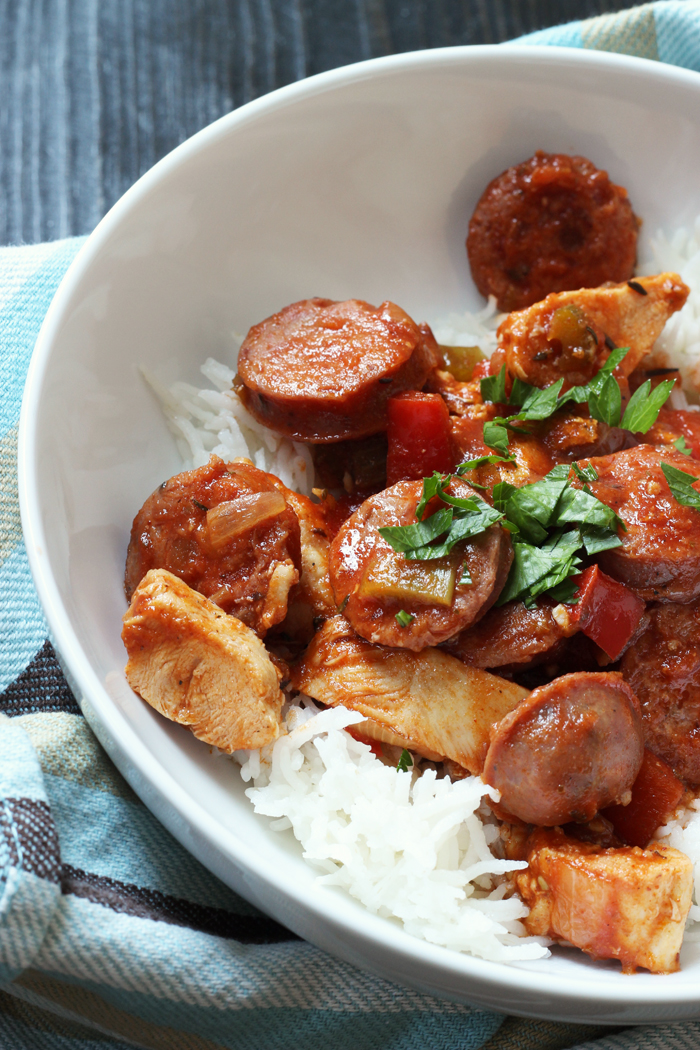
(409, 848)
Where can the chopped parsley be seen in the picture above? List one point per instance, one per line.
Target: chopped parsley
(681, 486)
(405, 762)
(436, 535)
(681, 445)
(602, 394)
(553, 525)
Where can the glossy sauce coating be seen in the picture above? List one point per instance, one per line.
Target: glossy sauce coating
(572, 747)
(251, 575)
(660, 553)
(358, 546)
(663, 669)
(552, 223)
(322, 371)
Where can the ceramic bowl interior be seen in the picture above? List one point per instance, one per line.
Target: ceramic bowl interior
(355, 184)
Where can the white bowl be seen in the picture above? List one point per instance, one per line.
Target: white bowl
(356, 183)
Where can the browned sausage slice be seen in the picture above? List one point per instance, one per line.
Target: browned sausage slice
(663, 669)
(372, 582)
(660, 553)
(570, 748)
(551, 223)
(323, 371)
(512, 634)
(228, 532)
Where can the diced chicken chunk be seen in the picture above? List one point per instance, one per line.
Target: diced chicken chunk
(620, 903)
(199, 666)
(437, 704)
(564, 335)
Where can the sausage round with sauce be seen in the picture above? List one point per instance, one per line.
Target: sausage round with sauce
(663, 669)
(372, 582)
(552, 223)
(660, 553)
(228, 532)
(569, 749)
(322, 371)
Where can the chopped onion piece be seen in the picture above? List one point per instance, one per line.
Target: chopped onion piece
(229, 520)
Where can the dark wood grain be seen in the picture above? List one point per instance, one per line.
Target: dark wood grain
(93, 92)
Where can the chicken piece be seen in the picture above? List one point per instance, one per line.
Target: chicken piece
(622, 903)
(663, 669)
(672, 425)
(461, 398)
(227, 530)
(512, 635)
(441, 706)
(568, 335)
(200, 667)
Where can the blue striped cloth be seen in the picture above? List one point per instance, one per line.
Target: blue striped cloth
(111, 935)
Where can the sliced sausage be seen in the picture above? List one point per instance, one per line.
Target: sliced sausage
(551, 223)
(228, 532)
(322, 371)
(663, 669)
(570, 748)
(568, 436)
(569, 334)
(372, 582)
(660, 553)
(512, 635)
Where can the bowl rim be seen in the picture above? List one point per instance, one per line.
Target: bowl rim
(170, 802)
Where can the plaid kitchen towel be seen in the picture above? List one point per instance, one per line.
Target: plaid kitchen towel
(111, 935)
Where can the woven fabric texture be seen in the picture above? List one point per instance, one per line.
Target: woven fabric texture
(111, 935)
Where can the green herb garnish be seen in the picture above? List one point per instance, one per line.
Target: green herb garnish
(680, 444)
(403, 618)
(405, 762)
(602, 394)
(552, 522)
(644, 406)
(459, 520)
(681, 486)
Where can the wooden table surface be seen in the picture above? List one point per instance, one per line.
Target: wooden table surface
(93, 92)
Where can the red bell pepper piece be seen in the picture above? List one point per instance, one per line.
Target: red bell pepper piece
(655, 794)
(606, 611)
(419, 437)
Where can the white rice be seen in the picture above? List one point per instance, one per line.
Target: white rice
(409, 848)
(413, 849)
(209, 422)
(679, 344)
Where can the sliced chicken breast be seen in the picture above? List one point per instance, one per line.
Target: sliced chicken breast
(199, 666)
(435, 703)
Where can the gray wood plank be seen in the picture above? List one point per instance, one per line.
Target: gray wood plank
(94, 92)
